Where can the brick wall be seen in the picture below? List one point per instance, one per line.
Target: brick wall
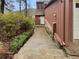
(60, 12)
(50, 17)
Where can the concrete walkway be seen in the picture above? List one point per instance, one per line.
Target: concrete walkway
(40, 46)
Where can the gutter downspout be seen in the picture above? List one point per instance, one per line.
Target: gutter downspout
(64, 22)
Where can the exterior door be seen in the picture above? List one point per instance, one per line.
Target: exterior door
(42, 20)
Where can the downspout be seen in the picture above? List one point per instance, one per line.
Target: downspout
(64, 23)
(63, 41)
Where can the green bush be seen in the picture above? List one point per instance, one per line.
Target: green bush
(12, 24)
(19, 40)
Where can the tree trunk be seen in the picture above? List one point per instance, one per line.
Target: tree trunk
(26, 6)
(20, 6)
(2, 6)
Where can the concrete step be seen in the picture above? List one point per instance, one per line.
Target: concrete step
(74, 57)
(41, 57)
(72, 50)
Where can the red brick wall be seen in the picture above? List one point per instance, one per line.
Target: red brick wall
(55, 13)
(37, 20)
(49, 18)
(60, 13)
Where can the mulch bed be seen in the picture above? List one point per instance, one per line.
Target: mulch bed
(6, 55)
(5, 51)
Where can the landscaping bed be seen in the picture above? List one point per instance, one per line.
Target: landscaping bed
(16, 44)
(19, 41)
(15, 29)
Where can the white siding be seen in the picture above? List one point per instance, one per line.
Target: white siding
(75, 20)
(75, 0)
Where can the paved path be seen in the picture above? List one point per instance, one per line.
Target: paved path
(40, 46)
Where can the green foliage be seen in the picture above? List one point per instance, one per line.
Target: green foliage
(19, 40)
(1, 45)
(12, 24)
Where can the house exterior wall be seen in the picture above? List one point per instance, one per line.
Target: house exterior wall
(60, 12)
(55, 14)
(39, 14)
(39, 20)
(49, 17)
(75, 20)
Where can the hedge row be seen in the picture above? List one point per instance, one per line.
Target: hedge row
(12, 24)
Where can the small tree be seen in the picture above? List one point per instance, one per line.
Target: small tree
(9, 5)
(25, 5)
(6, 4)
(20, 3)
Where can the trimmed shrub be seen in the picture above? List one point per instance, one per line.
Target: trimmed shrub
(12, 24)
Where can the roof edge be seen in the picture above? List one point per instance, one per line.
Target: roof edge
(52, 1)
